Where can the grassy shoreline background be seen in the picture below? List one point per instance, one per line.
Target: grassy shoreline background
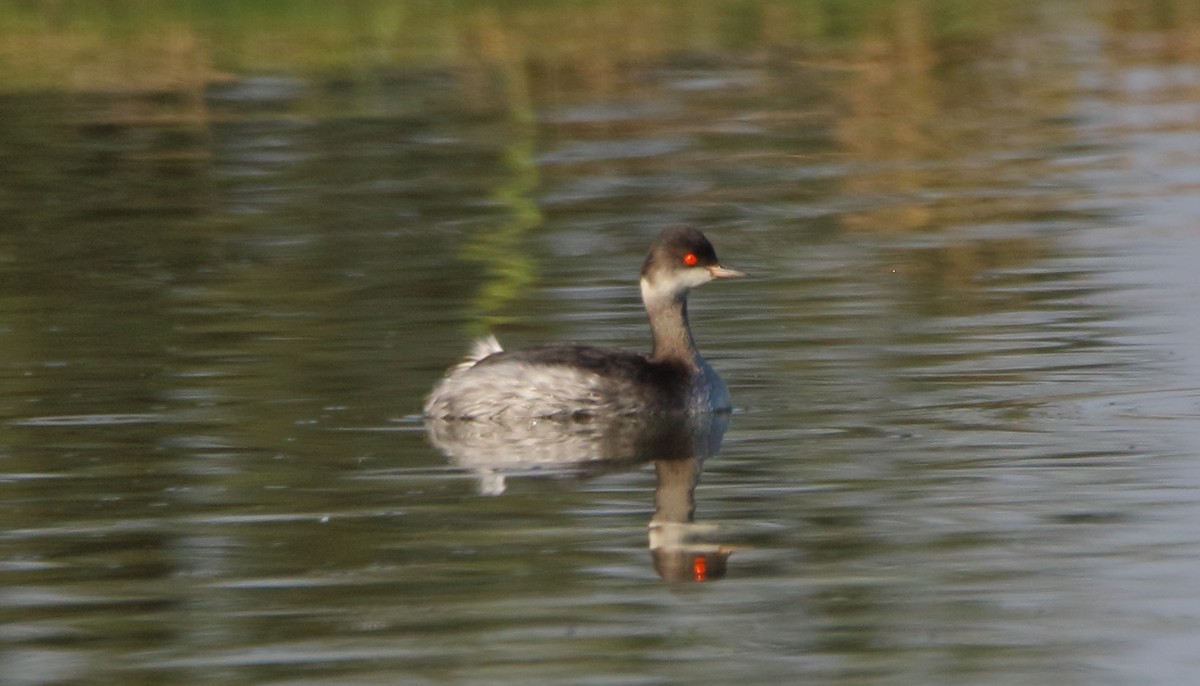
(78, 45)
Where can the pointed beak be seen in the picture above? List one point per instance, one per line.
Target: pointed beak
(719, 272)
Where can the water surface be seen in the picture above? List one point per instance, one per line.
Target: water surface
(965, 370)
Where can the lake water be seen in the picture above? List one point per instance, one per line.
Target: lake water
(966, 368)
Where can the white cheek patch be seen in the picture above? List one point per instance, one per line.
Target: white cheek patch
(674, 285)
(695, 277)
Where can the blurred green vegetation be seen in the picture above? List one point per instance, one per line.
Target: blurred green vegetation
(569, 46)
(144, 44)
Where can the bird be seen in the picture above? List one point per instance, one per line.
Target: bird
(578, 381)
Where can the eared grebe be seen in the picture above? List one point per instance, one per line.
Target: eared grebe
(581, 380)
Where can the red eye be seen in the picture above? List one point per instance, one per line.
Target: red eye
(690, 259)
(699, 568)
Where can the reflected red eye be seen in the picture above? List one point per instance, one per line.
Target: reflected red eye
(690, 259)
(699, 568)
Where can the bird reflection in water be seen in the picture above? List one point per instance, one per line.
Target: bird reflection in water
(590, 446)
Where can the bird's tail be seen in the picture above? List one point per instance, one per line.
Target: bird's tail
(481, 348)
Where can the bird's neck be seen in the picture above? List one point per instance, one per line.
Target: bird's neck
(675, 494)
(667, 310)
